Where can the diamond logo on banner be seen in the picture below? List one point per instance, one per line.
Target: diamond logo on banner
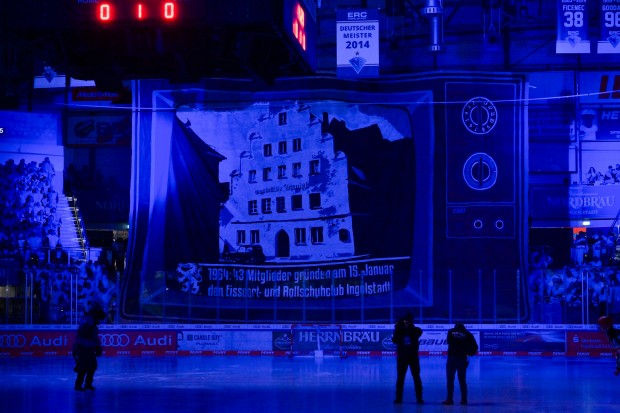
(49, 74)
(613, 40)
(573, 40)
(357, 63)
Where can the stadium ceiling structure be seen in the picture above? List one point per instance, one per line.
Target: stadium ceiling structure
(250, 39)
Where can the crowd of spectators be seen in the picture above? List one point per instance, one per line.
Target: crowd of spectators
(28, 202)
(81, 283)
(62, 284)
(598, 249)
(588, 288)
(609, 175)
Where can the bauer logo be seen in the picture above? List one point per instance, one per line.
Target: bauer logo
(387, 344)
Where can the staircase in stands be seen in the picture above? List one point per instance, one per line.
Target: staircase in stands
(71, 230)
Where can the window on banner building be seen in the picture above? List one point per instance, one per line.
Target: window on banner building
(281, 204)
(296, 202)
(266, 174)
(240, 237)
(314, 167)
(316, 234)
(300, 236)
(315, 200)
(254, 236)
(297, 169)
(266, 205)
(253, 207)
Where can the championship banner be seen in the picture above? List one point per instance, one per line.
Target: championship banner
(609, 38)
(357, 43)
(572, 27)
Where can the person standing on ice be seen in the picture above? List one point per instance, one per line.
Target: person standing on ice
(406, 336)
(87, 348)
(461, 345)
(613, 335)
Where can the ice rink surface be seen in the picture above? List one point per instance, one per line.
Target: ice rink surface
(244, 384)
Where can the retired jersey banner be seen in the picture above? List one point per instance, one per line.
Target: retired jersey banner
(572, 27)
(357, 43)
(609, 39)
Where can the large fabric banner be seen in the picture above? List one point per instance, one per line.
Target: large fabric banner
(305, 202)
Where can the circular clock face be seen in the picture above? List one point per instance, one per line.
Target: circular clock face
(480, 171)
(479, 115)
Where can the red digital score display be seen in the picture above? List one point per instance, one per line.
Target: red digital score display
(299, 25)
(165, 11)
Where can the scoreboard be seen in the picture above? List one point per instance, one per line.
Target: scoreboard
(111, 11)
(291, 22)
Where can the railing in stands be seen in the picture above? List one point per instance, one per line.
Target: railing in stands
(79, 225)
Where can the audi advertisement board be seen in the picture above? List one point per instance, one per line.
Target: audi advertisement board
(60, 342)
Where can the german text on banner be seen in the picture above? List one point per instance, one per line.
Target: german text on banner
(357, 43)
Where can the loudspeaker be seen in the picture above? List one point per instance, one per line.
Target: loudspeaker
(482, 147)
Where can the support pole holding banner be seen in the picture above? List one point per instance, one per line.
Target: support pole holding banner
(434, 11)
(450, 296)
(519, 296)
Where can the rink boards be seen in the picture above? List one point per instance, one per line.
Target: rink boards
(282, 340)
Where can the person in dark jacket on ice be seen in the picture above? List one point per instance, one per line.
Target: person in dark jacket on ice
(87, 348)
(461, 345)
(406, 336)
